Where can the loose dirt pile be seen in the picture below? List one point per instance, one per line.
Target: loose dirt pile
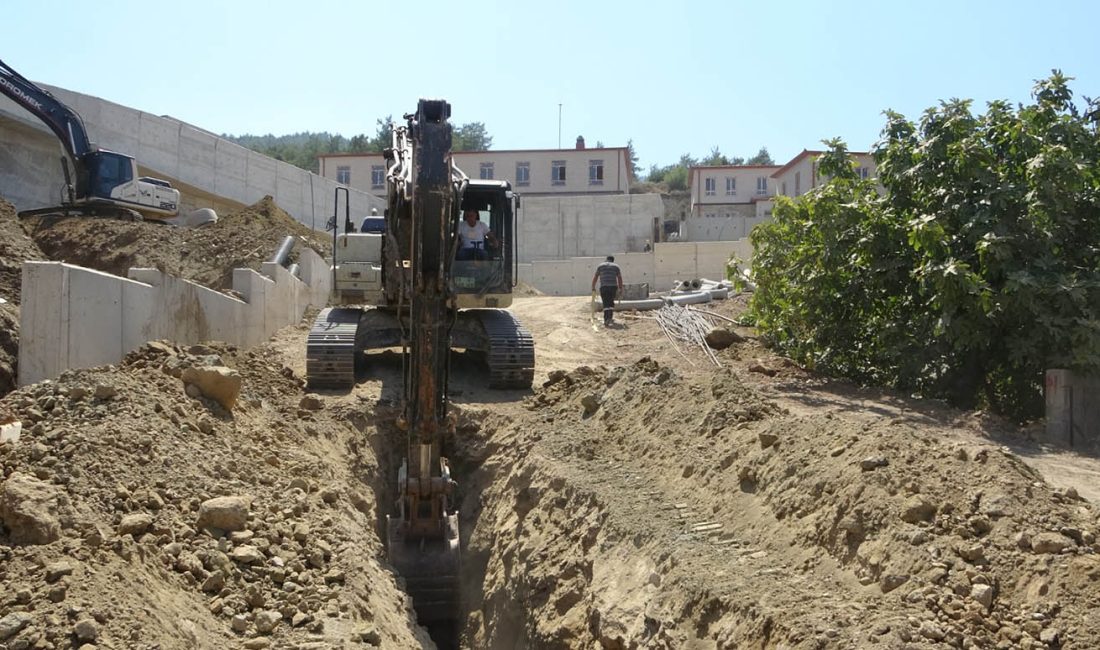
(15, 248)
(206, 255)
(634, 507)
(136, 516)
(660, 504)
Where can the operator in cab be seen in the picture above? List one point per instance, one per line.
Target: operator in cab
(474, 235)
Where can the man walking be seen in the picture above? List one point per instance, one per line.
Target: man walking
(610, 278)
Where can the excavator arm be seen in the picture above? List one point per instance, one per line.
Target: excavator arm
(62, 120)
(424, 535)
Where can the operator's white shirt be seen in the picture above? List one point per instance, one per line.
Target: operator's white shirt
(473, 236)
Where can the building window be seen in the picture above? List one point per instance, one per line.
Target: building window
(797, 183)
(783, 191)
(523, 174)
(731, 186)
(708, 185)
(377, 177)
(595, 172)
(762, 186)
(343, 175)
(487, 171)
(557, 172)
(863, 172)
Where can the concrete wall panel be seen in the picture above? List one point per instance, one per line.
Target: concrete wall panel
(209, 171)
(73, 317)
(159, 145)
(197, 157)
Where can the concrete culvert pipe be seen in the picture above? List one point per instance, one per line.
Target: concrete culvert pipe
(283, 252)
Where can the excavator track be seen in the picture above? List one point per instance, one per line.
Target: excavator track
(511, 353)
(331, 348)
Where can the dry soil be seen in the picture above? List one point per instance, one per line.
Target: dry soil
(639, 497)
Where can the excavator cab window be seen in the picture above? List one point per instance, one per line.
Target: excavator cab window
(481, 266)
(108, 170)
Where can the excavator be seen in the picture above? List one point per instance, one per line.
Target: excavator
(99, 182)
(406, 286)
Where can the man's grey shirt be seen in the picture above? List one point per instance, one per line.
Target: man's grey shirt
(609, 273)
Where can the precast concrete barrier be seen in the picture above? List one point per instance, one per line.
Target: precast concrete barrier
(73, 317)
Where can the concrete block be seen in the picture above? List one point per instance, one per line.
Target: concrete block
(43, 317)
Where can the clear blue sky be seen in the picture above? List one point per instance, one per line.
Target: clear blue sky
(675, 77)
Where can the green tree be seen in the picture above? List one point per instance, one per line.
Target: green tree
(472, 137)
(762, 157)
(977, 270)
(632, 157)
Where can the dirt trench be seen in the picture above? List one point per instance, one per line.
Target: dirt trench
(637, 498)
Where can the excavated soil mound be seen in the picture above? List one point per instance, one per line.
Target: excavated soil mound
(133, 515)
(15, 248)
(207, 255)
(9, 347)
(634, 507)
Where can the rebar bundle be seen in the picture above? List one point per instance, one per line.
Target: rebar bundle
(688, 325)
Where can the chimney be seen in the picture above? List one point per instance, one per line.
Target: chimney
(580, 142)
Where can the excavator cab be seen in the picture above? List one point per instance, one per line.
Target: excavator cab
(483, 277)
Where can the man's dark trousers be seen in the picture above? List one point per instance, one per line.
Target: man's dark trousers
(607, 295)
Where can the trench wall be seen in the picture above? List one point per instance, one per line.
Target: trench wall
(73, 317)
(209, 171)
(667, 264)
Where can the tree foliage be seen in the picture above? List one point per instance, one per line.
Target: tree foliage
(471, 137)
(675, 177)
(762, 157)
(974, 271)
(302, 149)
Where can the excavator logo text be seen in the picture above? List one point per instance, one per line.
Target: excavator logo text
(23, 96)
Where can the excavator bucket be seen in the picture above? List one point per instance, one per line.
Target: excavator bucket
(430, 568)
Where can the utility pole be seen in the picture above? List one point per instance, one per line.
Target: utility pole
(559, 126)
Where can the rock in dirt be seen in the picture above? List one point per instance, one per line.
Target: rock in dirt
(221, 384)
(983, 594)
(28, 509)
(267, 620)
(1050, 543)
(135, 524)
(311, 402)
(917, 509)
(58, 570)
(86, 630)
(591, 403)
(720, 338)
(224, 513)
(12, 623)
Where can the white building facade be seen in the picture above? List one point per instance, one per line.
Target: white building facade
(532, 172)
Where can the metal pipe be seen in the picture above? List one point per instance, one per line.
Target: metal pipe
(295, 269)
(283, 252)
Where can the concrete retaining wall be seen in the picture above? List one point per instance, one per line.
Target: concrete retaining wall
(662, 268)
(72, 317)
(210, 172)
(559, 228)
